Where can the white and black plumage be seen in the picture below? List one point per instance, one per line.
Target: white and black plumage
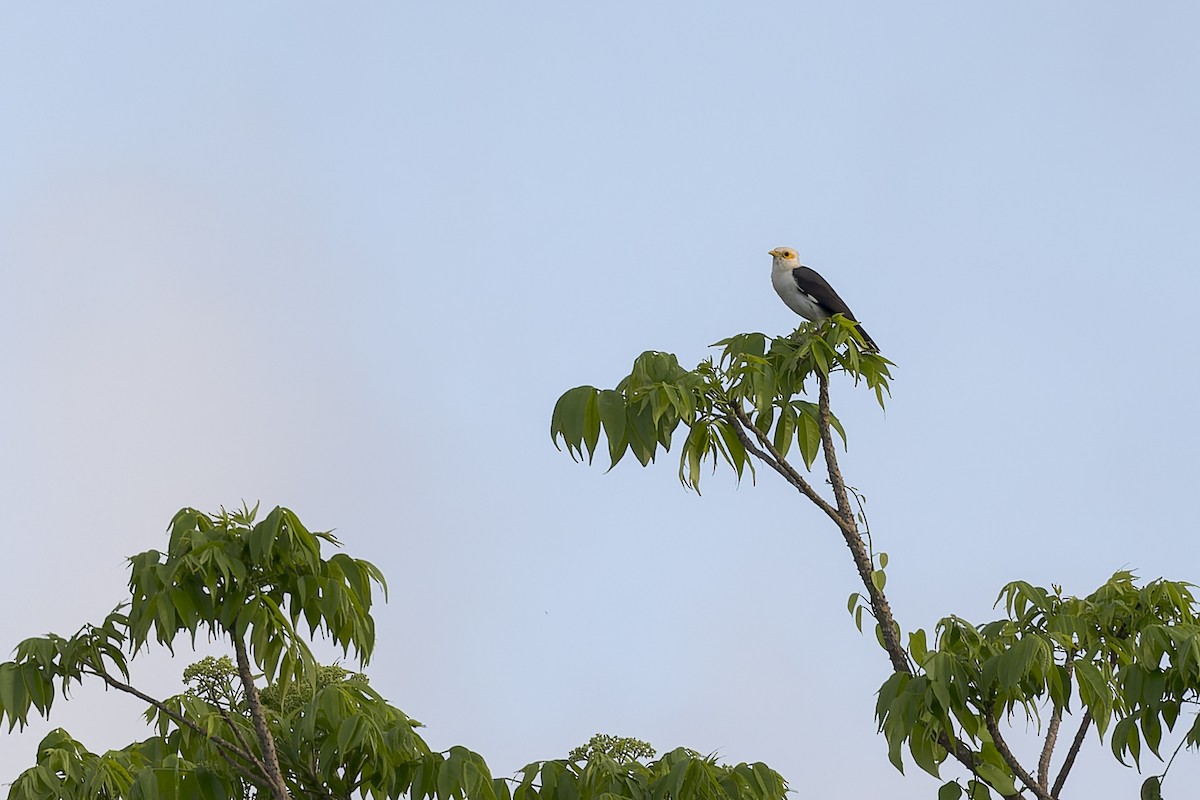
(806, 292)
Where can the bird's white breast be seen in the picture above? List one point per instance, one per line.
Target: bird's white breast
(796, 300)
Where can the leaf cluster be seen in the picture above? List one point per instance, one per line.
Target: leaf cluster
(681, 774)
(1123, 654)
(754, 377)
(335, 737)
(253, 581)
(66, 770)
(345, 740)
(46, 665)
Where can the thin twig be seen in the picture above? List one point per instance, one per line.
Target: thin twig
(237, 734)
(1007, 754)
(1074, 751)
(861, 501)
(1171, 761)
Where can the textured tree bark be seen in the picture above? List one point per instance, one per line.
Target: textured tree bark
(265, 741)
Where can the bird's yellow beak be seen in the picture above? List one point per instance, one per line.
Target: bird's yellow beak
(775, 253)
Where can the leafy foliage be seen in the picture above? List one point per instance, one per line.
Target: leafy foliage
(254, 581)
(65, 769)
(258, 585)
(754, 375)
(223, 573)
(342, 740)
(1126, 654)
(681, 774)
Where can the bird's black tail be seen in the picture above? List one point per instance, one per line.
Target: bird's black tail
(867, 338)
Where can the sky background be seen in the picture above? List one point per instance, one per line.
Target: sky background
(345, 259)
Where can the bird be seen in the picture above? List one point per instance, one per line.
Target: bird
(807, 293)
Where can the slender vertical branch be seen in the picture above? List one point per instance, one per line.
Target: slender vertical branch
(1043, 775)
(888, 628)
(1052, 733)
(1011, 760)
(1072, 753)
(835, 474)
(265, 740)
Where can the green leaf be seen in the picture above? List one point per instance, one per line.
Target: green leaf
(917, 646)
(1095, 693)
(1125, 739)
(39, 686)
(1152, 731)
(879, 579)
(1002, 780)
(763, 381)
(978, 790)
(612, 410)
(591, 425)
(569, 419)
(765, 419)
(950, 791)
(643, 434)
(925, 752)
(14, 700)
(821, 356)
(1151, 788)
(808, 437)
(785, 430)
(888, 693)
(734, 451)
(694, 448)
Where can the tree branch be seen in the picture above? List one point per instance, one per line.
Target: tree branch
(241, 739)
(845, 514)
(1043, 775)
(1074, 751)
(265, 740)
(741, 423)
(228, 749)
(835, 474)
(1007, 754)
(1052, 734)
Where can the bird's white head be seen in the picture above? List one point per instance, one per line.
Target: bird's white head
(784, 258)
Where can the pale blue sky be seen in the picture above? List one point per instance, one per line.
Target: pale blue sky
(345, 260)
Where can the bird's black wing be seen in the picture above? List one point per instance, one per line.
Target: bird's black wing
(816, 287)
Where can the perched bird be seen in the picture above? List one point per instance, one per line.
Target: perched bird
(806, 292)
